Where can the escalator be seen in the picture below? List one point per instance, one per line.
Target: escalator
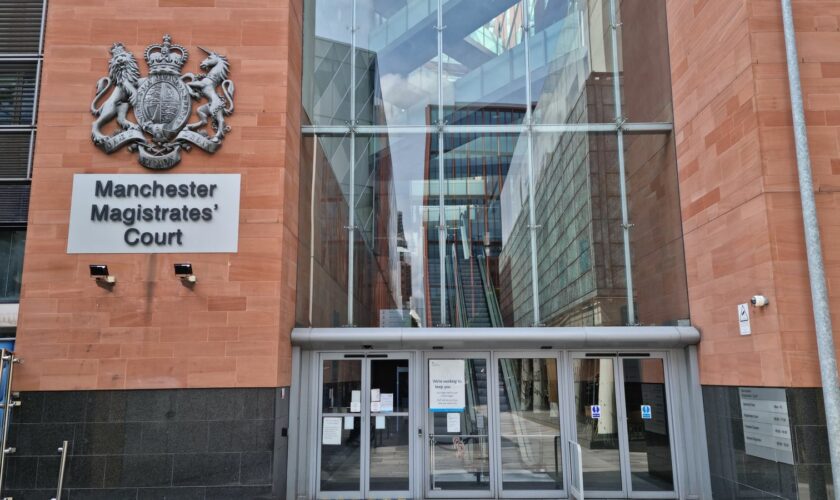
(474, 302)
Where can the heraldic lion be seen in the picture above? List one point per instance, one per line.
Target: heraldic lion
(123, 76)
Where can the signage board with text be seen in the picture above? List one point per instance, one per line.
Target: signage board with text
(147, 213)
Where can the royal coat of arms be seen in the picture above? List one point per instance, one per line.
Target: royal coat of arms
(162, 104)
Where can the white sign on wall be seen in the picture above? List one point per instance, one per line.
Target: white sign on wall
(152, 213)
(447, 385)
(744, 319)
(766, 425)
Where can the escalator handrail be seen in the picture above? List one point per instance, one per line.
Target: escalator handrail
(490, 294)
(460, 302)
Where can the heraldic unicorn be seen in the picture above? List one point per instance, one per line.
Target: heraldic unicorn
(162, 104)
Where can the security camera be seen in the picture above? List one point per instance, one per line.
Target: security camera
(759, 300)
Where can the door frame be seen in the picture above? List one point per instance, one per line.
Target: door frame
(621, 418)
(564, 419)
(365, 359)
(426, 469)
(669, 404)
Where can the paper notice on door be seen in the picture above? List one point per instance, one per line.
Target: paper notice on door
(380, 422)
(447, 382)
(375, 406)
(356, 397)
(386, 401)
(355, 406)
(349, 423)
(332, 430)
(374, 395)
(453, 422)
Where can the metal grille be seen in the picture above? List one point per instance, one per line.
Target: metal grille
(20, 26)
(18, 80)
(14, 155)
(14, 204)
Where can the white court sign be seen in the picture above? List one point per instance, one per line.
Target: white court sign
(447, 385)
(154, 213)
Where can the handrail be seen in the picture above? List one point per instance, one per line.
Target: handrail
(576, 484)
(460, 306)
(61, 466)
(7, 360)
(451, 305)
(490, 293)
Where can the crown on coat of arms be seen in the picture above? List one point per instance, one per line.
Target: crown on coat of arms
(165, 57)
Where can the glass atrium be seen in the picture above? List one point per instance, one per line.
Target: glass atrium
(488, 164)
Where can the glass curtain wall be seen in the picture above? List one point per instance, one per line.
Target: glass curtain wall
(488, 163)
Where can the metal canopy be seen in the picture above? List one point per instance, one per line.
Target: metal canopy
(619, 337)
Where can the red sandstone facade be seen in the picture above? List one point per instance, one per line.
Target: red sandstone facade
(738, 184)
(232, 329)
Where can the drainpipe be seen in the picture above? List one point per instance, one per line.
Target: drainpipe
(816, 271)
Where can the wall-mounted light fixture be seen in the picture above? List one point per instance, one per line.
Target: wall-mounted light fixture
(100, 273)
(185, 272)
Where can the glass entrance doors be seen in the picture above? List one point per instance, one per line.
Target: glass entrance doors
(530, 444)
(494, 425)
(364, 426)
(458, 427)
(622, 425)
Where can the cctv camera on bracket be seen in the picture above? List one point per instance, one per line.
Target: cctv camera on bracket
(759, 300)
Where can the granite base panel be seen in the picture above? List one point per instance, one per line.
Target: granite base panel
(736, 475)
(195, 444)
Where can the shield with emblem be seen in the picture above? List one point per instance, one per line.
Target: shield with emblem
(163, 106)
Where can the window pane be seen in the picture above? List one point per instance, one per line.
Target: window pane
(395, 208)
(21, 33)
(341, 377)
(11, 264)
(531, 444)
(17, 92)
(459, 446)
(326, 62)
(323, 243)
(651, 468)
(14, 162)
(515, 262)
(597, 424)
(484, 258)
(645, 64)
(389, 453)
(580, 251)
(571, 62)
(658, 260)
(397, 77)
(484, 60)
